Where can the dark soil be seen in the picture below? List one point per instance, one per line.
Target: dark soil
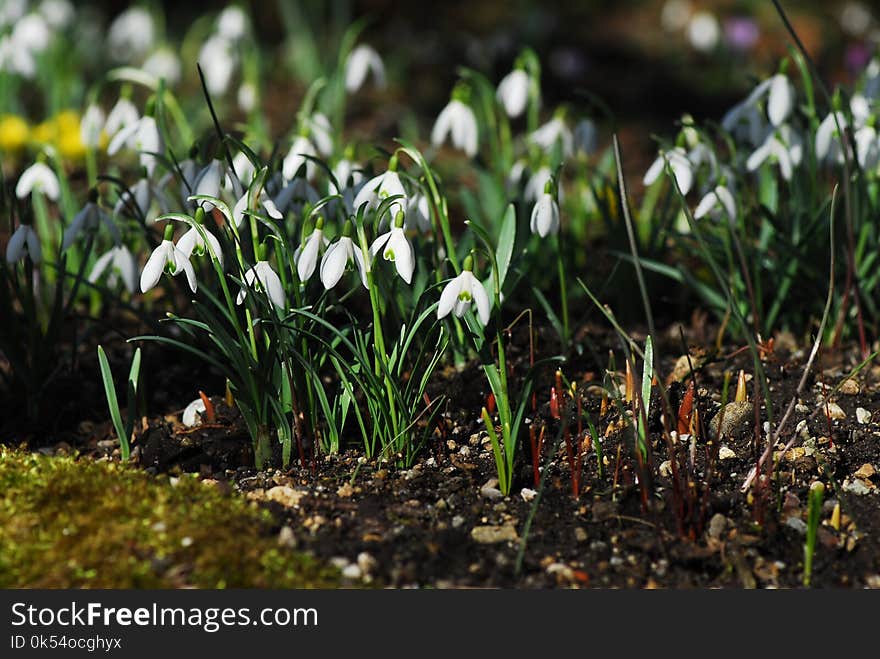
(442, 523)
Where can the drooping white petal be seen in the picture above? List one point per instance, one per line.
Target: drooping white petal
(757, 157)
(182, 264)
(155, 265)
(513, 92)
(780, 100)
(403, 255)
(271, 283)
(827, 132)
(33, 245)
(367, 193)
(121, 138)
(296, 157)
(308, 257)
(449, 296)
(361, 265)
(15, 246)
(362, 60)
(334, 262)
(706, 204)
(418, 214)
(545, 216)
(100, 266)
(76, 225)
(442, 125)
(126, 265)
(208, 182)
(654, 170)
(123, 114)
(481, 299)
(91, 125)
(38, 176)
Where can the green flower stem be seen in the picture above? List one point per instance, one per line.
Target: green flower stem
(563, 293)
(381, 354)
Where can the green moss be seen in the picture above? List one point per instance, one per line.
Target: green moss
(68, 523)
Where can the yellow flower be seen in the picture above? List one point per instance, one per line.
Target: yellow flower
(13, 132)
(63, 133)
(67, 138)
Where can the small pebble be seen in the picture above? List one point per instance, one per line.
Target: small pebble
(717, 525)
(725, 453)
(833, 410)
(528, 494)
(862, 415)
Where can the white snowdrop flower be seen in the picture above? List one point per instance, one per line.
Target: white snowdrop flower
(192, 242)
(321, 133)
(586, 137)
(703, 31)
(745, 119)
(387, 184)
(296, 158)
(24, 241)
(264, 204)
(244, 168)
(774, 150)
(867, 147)
(16, 60)
(131, 34)
(553, 132)
(209, 181)
(32, 33)
(780, 99)
(395, 247)
(347, 174)
(307, 256)
(141, 136)
(247, 96)
(702, 154)
(461, 292)
(123, 114)
(11, 11)
(88, 219)
(338, 256)
(418, 213)
(295, 195)
(718, 197)
(860, 107)
(675, 14)
(167, 258)
(361, 61)
(192, 413)
(58, 13)
(232, 23)
(545, 214)
(137, 200)
(263, 278)
(122, 263)
(91, 125)
(828, 137)
(218, 61)
(537, 183)
(38, 177)
(458, 122)
(514, 177)
(513, 92)
(163, 64)
(679, 163)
